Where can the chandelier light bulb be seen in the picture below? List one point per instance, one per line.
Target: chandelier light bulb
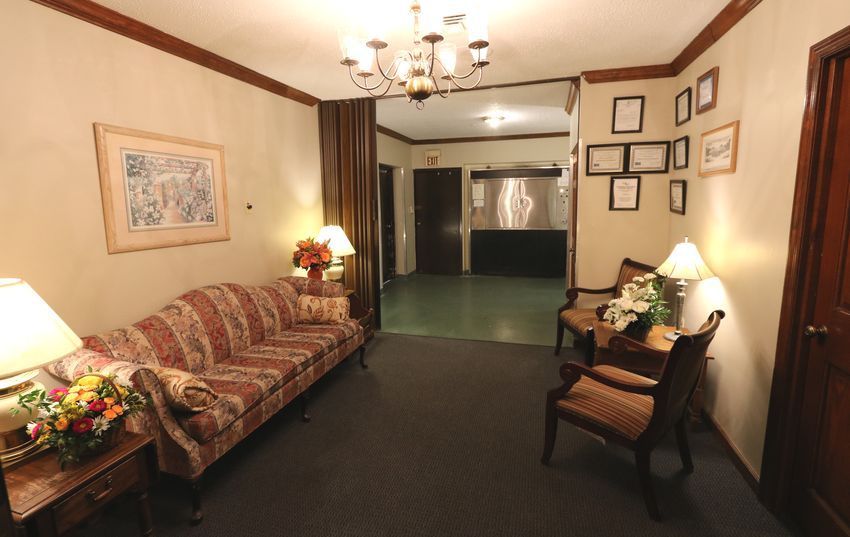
(364, 56)
(447, 52)
(477, 26)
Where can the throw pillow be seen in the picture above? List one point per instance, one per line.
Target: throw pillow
(184, 391)
(319, 310)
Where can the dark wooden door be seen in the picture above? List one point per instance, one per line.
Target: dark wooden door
(437, 198)
(388, 267)
(822, 471)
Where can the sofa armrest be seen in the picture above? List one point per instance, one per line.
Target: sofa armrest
(307, 286)
(176, 448)
(573, 294)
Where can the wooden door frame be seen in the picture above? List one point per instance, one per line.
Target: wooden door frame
(798, 299)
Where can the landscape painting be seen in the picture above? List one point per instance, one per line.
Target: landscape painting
(719, 150)
(160, 191)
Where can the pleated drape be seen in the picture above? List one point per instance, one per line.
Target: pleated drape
(349, 188)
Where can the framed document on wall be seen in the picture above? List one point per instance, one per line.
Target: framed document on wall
(649, 157)
(628, 115)
(605, 159)
(678, 192)
(625, 193)
(707, 90)
(683, 107)
(681, 147)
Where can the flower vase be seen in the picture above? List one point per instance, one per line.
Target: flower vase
(637, 332)
(314, 273)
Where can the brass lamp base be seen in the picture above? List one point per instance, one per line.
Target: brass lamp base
(15, 443)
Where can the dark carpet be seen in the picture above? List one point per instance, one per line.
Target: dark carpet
(443, 438)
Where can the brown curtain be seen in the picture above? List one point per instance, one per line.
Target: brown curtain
(349, 188)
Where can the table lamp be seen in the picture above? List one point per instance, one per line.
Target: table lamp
(31, 336)
(340, 246)
(684, 263)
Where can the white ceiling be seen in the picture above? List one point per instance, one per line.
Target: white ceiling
(526, 109)
(295, 41)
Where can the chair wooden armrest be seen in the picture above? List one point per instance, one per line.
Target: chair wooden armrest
(618, 344)
(570, 370)
(573, 292)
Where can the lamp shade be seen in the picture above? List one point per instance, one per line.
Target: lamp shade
(339, 243)
(685, 263)
(31, 334)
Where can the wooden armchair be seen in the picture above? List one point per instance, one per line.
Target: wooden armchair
(579, 321)
(631, 410)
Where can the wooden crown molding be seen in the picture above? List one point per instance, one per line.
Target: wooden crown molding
(435, 141)
(572, 79)
(728, 17)
(111, 20)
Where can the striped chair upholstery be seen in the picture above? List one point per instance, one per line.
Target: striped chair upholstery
(627, 273)
(626, 414)
(579, 320)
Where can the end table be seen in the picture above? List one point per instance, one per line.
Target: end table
(47, 501)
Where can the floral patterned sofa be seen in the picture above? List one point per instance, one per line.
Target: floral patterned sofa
(241, 342)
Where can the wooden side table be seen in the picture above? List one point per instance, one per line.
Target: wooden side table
(47, 501)
(365, 316)
(644, 364)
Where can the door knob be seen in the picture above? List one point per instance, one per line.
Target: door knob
(811, 331)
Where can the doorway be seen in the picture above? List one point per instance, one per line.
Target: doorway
(388, 242)
(439, 244)
(806, 470)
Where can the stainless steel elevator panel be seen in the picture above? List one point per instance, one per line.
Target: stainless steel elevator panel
(520, 203)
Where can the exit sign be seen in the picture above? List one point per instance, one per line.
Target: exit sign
(432, 158)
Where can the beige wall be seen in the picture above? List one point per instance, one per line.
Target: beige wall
(740, 222)
(606, 237)
(61, 75)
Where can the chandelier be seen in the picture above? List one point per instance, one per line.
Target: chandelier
(416, 69)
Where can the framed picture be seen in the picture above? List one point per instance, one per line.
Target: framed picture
(605, 159)
(718, 151)
(683, 107)
(678, 195)
(681, 150)
(628, 115)
(707, 90)
(159, 191)
(625, 193)
(649, 157)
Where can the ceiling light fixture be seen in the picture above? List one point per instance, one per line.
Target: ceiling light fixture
(416, 69)
(493, 121)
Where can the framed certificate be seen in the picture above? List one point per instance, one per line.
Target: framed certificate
(606, 159)
(625, 193)
(718, 150)
(678, 192)
(628, 115)
(649, 157)
(681, 148)
(707, 90)
(683, 107)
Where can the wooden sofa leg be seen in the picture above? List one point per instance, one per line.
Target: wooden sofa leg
(305, 403)
(197, 512)
(559, 338)
(363, 363)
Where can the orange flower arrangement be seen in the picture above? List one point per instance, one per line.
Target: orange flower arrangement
(312, 254)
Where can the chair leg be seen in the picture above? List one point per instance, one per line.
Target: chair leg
(551, 431)
(197, 512)
(684, 449)
(305, 403)
(642, 460)
(559, 339)
(363, 357)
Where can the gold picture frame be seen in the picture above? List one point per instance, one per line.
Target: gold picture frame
(718, 150)
(160, 191)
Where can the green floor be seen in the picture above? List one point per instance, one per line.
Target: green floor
(488, 308)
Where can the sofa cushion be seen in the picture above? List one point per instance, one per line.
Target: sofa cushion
(321, 310)
(309, 286)
(184, 391)
(247, 378)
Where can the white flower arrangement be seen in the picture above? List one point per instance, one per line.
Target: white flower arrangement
(639, 305)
